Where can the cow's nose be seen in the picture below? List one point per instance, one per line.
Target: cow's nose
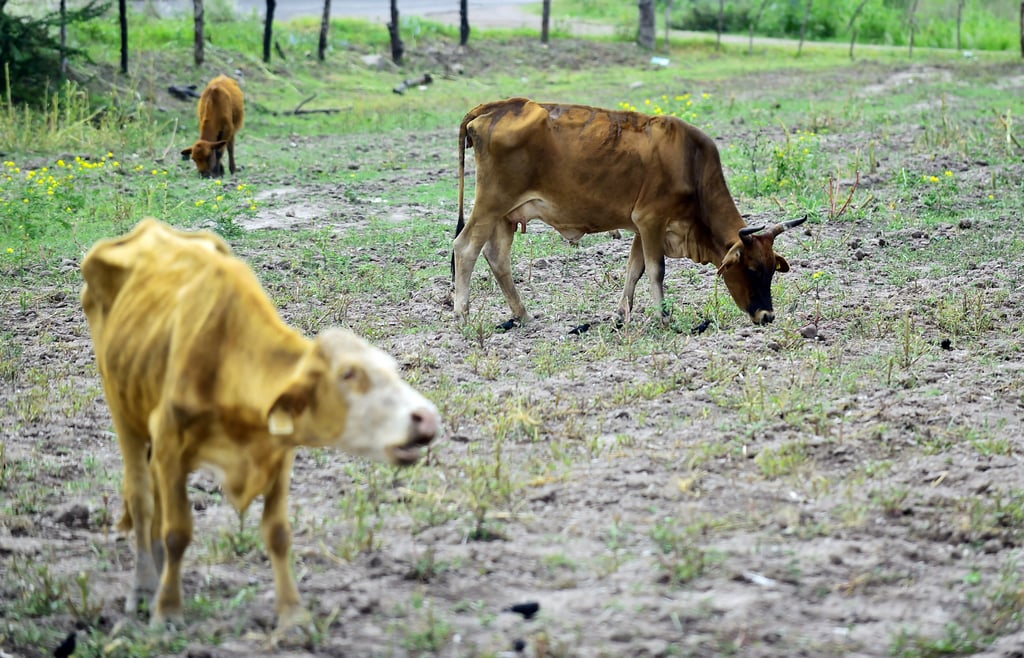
(763, 317)
(424, 425)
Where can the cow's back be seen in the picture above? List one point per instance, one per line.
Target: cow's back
(591, 168)
(221, 108)
(131, 298)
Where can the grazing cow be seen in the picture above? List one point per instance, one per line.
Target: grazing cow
(585, 170)
(199, 370)
(221, 114)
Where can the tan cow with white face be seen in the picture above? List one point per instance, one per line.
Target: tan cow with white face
(585, 170)
(199, 371)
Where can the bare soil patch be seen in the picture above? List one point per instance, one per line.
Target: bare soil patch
(645, 494)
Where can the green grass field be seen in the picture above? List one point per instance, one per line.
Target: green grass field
(844, 481)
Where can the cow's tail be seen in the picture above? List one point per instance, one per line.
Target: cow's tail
(464, 141)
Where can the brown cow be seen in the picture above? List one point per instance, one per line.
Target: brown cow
(200, 371)
(585, 170)
(221, 114)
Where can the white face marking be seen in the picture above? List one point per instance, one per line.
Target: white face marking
(389, 415)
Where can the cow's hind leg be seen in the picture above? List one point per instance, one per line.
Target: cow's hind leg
(634, 270)
(498, 252)
(466, 250)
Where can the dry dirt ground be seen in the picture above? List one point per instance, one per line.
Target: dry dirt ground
(642, 494)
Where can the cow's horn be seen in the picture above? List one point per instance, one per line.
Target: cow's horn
(749, 230)
(785, 226)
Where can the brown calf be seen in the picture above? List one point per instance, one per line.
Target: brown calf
(221, 114)
(199, 370)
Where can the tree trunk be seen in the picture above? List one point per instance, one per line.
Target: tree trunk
(325, 25)
(803, 27)
(545, 21)
(645, 35)
(123, 14)
(852, 25)
(913, 26)
(198, 52)
(397, 47)
(463, 22)
(63, 39)
(268, 30)
(959, 21)
(721, 24)
(753, 24)
(668, 22)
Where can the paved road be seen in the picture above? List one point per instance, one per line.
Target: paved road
(505, 13)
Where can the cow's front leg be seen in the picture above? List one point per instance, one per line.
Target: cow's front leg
(277, 535)
(654, 264)
(139, 513)
(231, 154)
(171, 481)
(498, 252)
(634, 270)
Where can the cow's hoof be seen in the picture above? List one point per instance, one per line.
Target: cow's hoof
(293, 620)
(171, 620)
(139, 601)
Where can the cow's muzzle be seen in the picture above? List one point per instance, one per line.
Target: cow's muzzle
(762, 316)
(423, 427)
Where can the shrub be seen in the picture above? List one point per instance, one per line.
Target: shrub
(30, 51)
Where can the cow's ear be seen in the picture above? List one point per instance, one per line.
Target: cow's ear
(186, 154)
(287, 407)
(781, 264)
(732, 257)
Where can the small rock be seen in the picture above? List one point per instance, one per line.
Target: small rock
(774, 345)
(375, 62)
(854, 243)
(656, 648)
(881, 242)
(917, 233)
(860, 254)
(364, 604)
(992, 546)
(965, 223)
(621, 635)
(810, 331)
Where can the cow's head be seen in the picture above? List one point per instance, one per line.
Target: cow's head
(750, 264)
(207, 156)
(347, 394)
